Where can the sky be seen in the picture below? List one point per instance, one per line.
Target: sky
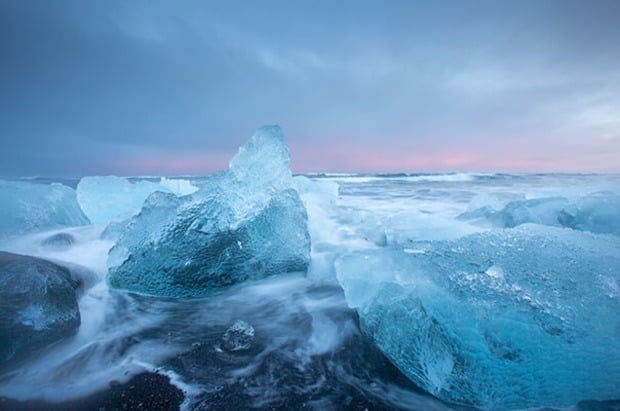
(153, 87)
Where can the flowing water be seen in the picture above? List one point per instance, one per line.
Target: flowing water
(307, 351)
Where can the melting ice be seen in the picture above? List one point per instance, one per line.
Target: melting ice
(244, 224)
(504, 319)
(323, 291)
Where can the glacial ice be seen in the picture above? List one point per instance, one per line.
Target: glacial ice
(32, 207)
(106, 198)
(324, 191)
(244, 223)
(506, 319)
(38, 304)
(178, 186)
(238, 337)
(597, 212)
(320, 197)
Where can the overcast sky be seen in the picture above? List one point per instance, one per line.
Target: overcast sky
(174, 87)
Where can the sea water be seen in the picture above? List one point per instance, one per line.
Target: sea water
(307, 349)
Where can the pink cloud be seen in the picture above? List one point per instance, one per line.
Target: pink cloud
(336, 157)
(547, 156)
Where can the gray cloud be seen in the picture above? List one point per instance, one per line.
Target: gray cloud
(85, 83)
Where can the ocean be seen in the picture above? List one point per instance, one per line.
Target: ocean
(424, 291)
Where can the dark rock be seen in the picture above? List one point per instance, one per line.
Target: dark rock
(82, 278)
(38, 304)
(60, 241)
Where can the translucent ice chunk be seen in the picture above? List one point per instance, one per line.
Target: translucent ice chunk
(178, 186)
(105, 197)
(245, 223)
(238, 337)
(597, 212)
(506, 319)
(32, 207)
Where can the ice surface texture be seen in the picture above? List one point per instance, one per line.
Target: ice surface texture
(506, 319)
(30, 207)
(245, 223)
(37, 304)
(598, 213)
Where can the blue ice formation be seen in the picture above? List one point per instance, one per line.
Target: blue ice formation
(38, 304)
(244, 223)
(29, 207)
(178, 186)
(598, 212)
(505, 319)
(105, 198)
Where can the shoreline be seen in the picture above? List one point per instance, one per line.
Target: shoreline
(145, 391)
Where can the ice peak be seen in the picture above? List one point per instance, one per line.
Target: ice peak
(264, 159)
(243, 224)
